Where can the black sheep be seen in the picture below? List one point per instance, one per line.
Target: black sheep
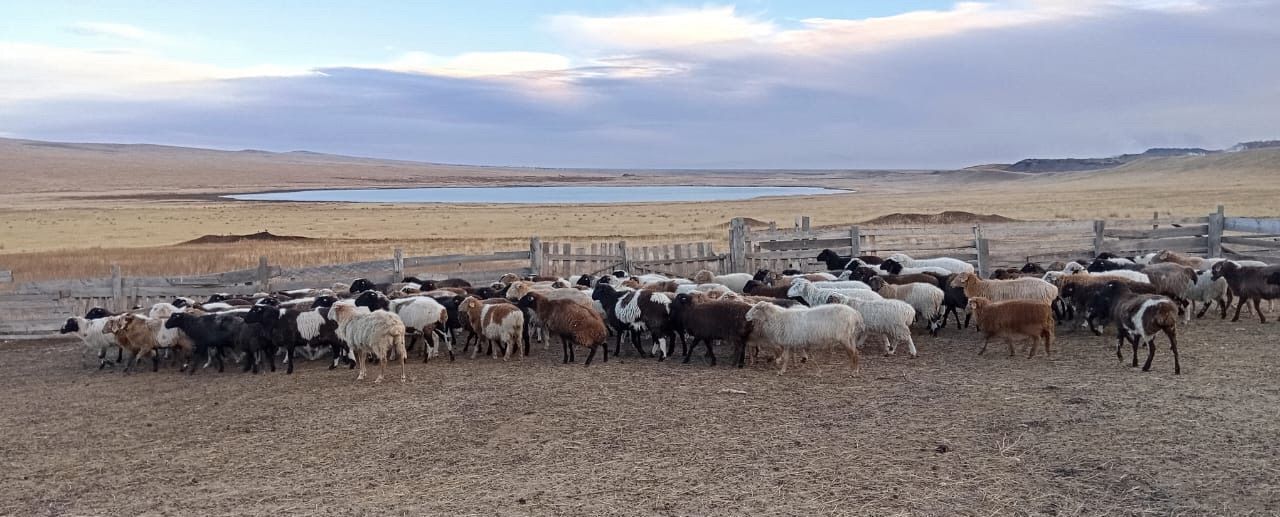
(209, 332)
(281, 326)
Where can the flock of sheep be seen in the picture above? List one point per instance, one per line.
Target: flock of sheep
(779, 315)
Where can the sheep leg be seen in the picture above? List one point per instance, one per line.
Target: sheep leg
(1010, 342)
(155, 363)
(1239, 306)
(564, 349)
(404, 376)
(1151, 354)
(688, 351)
(221, 362)
(786, 358)
(1135, 341)
(382, 366)
(617, 347)
(1173, 347)
(740, 350)
(1257, 307)
(911, 346)
(635, 341)
(288, 358)
(985, 341)
(590, 355)
(360, 364)
(271, 358)
(711, 352)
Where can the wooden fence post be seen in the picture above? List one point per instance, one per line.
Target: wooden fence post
(804, 223)
(737, 245)
(1217, 221)
(264, 274)
(1099, 227)
(626, 256)
(855, 241)
(535, 255)
(984, 257)
(397, 265)
(117, 290)
(980, 250)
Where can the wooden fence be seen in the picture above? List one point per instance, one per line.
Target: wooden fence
(38, 309)
(564, 259)
(1008, 244)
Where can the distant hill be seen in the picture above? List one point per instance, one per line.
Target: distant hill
(1039, 165)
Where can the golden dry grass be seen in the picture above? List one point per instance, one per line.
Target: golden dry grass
(51, 235)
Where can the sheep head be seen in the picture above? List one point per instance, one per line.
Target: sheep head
(703, 277)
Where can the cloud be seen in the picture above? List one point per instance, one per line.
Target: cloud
(664, 29)
(119, 31)
(977, 83)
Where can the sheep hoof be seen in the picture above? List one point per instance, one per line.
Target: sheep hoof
(403, 379)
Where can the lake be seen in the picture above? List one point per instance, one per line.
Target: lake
(538, 195)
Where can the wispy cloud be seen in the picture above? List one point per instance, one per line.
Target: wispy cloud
(117, 31)
(663, 29)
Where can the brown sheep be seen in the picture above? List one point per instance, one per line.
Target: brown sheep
(1014, 319)
(574, 323)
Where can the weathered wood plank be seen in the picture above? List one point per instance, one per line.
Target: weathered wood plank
(1248, 241)
(1251, 225)
(1185, 231)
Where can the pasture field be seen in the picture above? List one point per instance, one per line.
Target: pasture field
(950, 433)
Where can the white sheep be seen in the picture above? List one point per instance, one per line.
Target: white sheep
(926, 299)
(841, 284)
(949, 264)
(715, 289)
(1074, 268)
(378, 333)
(734, 281)
(1206, 290)
(814, 296)
(888, 319)
(428, 317)
(91, 334)
(806, 329)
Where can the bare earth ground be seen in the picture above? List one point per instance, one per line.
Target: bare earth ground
(950, 433)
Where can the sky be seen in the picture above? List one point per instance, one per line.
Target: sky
(565, 83)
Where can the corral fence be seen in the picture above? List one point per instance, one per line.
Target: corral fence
(564, 259)
(38, 309)
(1006, 244)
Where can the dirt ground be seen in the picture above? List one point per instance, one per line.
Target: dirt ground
(950, 433)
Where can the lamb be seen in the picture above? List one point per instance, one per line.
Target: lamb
(378, 333)
(1248, 283)
(1026, 288)
(1207, 290)
(954, 301)
(819, 328)
(210, 332)
(501, 322)
(715, 290)
(1138, 318)
(281, 327)
(1014, 319)
(734, 281)
(949, 264)
(89, 330)
(137, 334)
(575, 324)
(924, 298)
(804, 291)
(172, 338)
(711, 320)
